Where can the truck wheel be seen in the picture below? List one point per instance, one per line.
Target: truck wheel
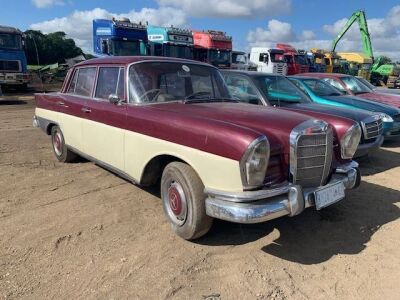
(182, 193)
(60, 149)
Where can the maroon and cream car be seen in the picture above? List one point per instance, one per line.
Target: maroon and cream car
(172, 121)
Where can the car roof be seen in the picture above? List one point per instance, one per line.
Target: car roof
(330, 75)
(126, 60)
(249, 73)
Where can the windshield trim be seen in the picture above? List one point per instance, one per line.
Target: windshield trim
(173, 60)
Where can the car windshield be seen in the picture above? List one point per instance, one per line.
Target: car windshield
(300, 59)
(123, 48)
(356, 86)
(10, 41)
(321, 88)
(180, 51)
(280, 91)
(157, 82)
(277, 57)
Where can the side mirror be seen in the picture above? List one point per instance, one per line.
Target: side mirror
(114, 99)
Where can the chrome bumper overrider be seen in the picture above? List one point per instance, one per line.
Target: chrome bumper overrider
(263, 205)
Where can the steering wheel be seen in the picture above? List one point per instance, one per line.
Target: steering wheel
(156, 92)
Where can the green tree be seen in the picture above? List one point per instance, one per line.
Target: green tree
(49, 48)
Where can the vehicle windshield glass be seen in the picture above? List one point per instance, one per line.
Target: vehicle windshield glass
(179, 51)
(357, 87)
(321, 88)
(10, 41)
(280, 91)
(123, 48)
(336, 61)
(158, 82)
(238, 58)
(219, 57)
(300, 59)
(277, 57)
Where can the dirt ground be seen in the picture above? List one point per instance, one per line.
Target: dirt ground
(76, 231)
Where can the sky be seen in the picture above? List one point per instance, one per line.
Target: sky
(305, 24)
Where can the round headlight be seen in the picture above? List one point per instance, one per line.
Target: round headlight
(254, 163)
(349, 142)
(386, 118)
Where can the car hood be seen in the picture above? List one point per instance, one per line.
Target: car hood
(354, 114)
(365, 104)
(393, 100)
(272, 122)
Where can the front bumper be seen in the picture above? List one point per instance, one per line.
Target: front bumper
(264, 205)
(364, 149)
(393, 132)
(13, 78)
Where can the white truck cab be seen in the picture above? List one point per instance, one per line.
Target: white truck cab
(269, 60)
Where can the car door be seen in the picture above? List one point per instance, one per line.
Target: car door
(71, 103)
(104, 122)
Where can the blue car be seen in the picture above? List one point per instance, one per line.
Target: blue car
(324, 93)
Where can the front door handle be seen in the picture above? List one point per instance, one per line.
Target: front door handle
(61, 103)
(86, 110)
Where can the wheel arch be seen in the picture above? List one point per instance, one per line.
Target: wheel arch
(153, 169)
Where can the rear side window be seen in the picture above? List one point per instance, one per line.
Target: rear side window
(110, 82)
(83, 82)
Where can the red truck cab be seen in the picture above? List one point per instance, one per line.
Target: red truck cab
(213, 47)
(297, 63)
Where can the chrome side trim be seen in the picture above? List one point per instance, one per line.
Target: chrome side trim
(104, 165)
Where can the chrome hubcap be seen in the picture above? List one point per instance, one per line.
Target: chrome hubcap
(57, 143)
(176, 204)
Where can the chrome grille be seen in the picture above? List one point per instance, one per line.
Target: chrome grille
(311, 154)
(9, 65)
(372, 129)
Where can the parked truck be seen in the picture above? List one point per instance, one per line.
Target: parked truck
(13, 65)
(240, 61)
(213, 47)
(316, 62)
(119, 37)
(170, 41)
(269, 60)
(359, 64)
(296, 62)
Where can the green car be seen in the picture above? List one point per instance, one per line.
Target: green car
(324, 93)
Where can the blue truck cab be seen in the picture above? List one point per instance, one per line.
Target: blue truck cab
(119, 37)
(170, 41)
(13, 65)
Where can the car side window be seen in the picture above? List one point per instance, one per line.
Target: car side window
(335, 84)
(241, 88)
(83, 83)
(72, 84)
(110, 82)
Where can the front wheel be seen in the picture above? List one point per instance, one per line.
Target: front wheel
(61, 151)
(182, 193)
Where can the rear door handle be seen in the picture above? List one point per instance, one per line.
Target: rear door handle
(86, 110)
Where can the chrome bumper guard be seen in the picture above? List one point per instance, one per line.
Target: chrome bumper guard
(264, 205)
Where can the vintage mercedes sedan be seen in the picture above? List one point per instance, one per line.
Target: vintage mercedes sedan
(171, 121)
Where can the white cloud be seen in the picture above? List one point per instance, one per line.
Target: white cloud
(78, 25)
(276, 31)
(385, 35)
(46, 3)
(230, 8)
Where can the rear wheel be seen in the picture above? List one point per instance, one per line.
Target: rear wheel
(182, 193)
(62, 153)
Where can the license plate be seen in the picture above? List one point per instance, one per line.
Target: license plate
(329, 195)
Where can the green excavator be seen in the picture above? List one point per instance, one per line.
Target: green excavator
(379, 70)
